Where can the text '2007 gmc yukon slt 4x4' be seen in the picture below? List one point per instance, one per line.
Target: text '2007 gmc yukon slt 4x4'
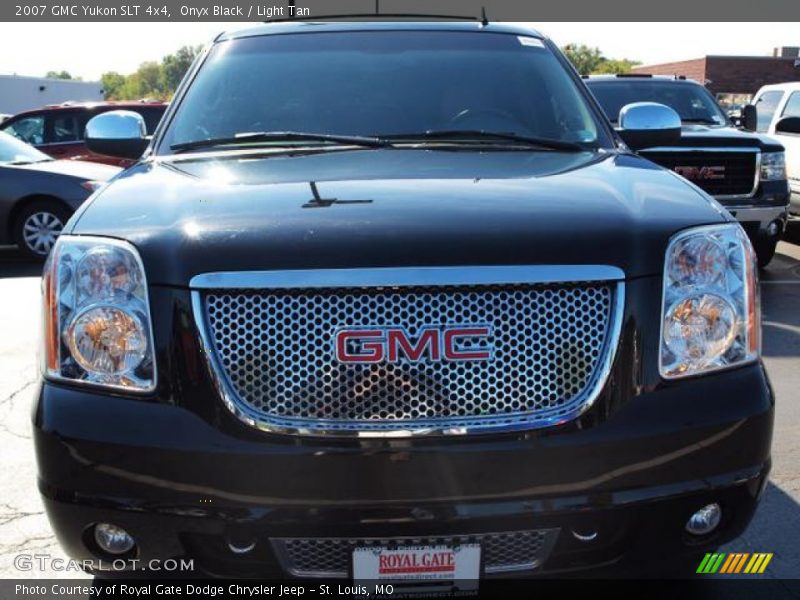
(378, 292)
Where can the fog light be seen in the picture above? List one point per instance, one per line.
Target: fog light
(704, 520)
(774, 229)
(112, 539)
(241, 546)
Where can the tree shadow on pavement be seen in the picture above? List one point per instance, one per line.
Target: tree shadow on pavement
(775, 528)
(780, 299)
(14, 264)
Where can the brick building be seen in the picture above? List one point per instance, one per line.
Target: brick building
(734, 75)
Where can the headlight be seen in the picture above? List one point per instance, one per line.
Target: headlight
(710, 311)
(773, 166)
(97, 315)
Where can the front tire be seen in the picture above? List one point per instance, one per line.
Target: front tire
(38, 226)
(765, 251)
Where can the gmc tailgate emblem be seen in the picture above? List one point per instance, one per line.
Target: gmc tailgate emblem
(373, 345)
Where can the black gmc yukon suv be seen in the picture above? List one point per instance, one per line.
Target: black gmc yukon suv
(744, 171)
(396, 297)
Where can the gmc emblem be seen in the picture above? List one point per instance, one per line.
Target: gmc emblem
(392, 344)
(701, 173)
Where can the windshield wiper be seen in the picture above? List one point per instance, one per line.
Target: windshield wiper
(482, 136)
(281, 136)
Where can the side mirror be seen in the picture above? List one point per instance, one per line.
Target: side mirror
(118, 133)
(749, 119)
(649, 124)
(789, 125)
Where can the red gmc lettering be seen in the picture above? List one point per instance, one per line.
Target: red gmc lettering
(394, 344)
(371, 351)
(701, 173)
(397, 340)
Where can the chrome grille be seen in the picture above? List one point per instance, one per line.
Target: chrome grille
(739, 175)
(331, 557)
(274, 349)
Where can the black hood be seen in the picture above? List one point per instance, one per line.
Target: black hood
(73, 168)
(701, 136)
(395, 207)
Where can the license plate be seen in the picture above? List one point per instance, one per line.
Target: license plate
(417, 563)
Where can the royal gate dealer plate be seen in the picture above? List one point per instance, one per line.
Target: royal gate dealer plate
(417, 563)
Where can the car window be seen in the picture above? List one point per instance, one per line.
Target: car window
(792, 108)
(14, 151)
(691, 101)
(766, 105)
(151, 115)
(28, 129)
(386, 83)
(64, 128)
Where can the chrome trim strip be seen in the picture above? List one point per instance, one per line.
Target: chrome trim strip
(404, 277)
(763, 214)
(743, 149)
(419, 427)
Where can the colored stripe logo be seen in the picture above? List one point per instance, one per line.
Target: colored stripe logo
(735, 562)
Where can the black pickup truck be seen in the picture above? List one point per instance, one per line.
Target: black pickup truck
(403, 304)
(744, 171)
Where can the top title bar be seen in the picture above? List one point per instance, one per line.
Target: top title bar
(495, 10)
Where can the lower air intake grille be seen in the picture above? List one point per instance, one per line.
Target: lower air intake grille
(331, 557)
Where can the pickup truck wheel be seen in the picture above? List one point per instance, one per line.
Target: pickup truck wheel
(38, 226)
(765, 251)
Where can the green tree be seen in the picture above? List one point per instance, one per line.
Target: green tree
(174, 67)
(150, 80)
(585, 59)
(113, 83)
(154, 80)
(61, 75)
(588, 60)
(617, 66)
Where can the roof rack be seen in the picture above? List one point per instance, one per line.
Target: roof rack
(635, 76)
(379, 15)
(375, 17)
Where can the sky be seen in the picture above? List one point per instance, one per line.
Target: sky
(89, 49)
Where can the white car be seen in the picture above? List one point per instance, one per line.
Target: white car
(778, 108)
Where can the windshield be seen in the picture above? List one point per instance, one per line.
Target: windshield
(691, 101)
(14, 151)
(383, 84)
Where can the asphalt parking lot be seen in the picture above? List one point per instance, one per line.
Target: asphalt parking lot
(24, 527)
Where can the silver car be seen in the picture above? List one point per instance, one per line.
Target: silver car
(39, 194)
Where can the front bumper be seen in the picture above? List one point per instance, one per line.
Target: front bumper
(769, 205)
(794, 206)
(184, 487)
